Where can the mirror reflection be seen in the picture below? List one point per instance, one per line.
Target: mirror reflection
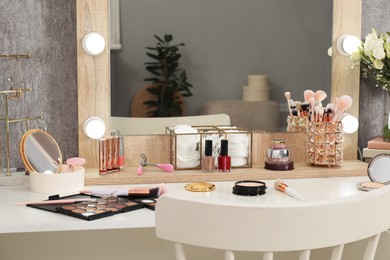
(225, 42)
(40, 152)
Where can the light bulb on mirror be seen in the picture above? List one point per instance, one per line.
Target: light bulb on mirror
(347, 44)
(349, 123)
(93, 43)
(94, 127)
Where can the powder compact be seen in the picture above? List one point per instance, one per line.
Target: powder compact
(200, 186)
(378, 173)
(249, 188)
(91, 208)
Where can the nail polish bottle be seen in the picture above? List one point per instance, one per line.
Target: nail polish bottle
(208, 161)
(223, 158)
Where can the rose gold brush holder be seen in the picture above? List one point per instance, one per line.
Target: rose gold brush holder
(324, 143)
(296, 123)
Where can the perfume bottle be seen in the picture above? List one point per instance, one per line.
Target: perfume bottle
(224, 162)
(208, 161)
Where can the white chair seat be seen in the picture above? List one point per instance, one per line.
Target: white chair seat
(302, 226)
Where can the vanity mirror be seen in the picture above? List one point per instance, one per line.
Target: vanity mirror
(378, 168)
(94, 74)
(40, 152)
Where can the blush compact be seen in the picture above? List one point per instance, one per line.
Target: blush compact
(249, 188)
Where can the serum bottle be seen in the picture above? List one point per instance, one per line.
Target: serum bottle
(208, 161)
(224, 163)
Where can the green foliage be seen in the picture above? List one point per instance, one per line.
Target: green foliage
(168, 79)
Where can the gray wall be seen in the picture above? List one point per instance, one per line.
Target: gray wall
(47, 30)
(226, 40)
(375, 15)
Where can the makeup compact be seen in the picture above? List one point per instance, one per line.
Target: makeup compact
(249, 188)
(200, 186)
(278, 157)
(378, 173)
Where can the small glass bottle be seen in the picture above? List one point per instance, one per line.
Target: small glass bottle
(224, 162)
(208, 160)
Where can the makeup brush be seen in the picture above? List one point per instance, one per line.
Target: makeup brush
(288, 96)
(343, 103)
(320, 95)
(312, 100)
(138, 192)
(307, 94)
(283, 187)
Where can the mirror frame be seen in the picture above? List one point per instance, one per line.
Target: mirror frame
(93, 78)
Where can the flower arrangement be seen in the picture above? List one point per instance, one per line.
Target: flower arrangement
(374, 58)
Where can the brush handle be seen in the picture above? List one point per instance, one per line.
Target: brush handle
(293, 193)
(165, 167)
(140, 169)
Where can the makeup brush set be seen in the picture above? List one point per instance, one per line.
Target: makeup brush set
(313, 109)
(324, 140)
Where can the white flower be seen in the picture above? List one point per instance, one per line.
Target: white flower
(378, 64)
(372, 42)
(379, 53)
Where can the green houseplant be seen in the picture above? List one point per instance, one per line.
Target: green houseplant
(169, 82)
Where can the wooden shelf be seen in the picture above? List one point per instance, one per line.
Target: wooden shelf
(151, 175)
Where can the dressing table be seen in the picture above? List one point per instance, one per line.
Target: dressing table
(27, 232)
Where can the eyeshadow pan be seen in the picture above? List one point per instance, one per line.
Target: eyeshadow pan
(120, 206)
(80, 205)
(101, 206)
(79, 210)
(69, 207)
(111, 209)
(87, 214)
(131, 203)
(90, 208)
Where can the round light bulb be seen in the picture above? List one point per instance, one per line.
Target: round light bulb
(94, 43)
(347, 44)
(349, 124)
(94, 127)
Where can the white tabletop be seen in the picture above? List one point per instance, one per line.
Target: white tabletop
(17, 218)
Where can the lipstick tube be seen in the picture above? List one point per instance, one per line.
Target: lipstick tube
(102, 156)
(109, 155)
(115, 153)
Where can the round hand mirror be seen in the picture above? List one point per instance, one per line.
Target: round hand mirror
(379, 168)
(40, 152)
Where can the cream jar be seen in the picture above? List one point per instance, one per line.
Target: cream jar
(278, 156)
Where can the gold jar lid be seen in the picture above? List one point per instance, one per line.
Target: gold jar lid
(277, 142)
(200, 186)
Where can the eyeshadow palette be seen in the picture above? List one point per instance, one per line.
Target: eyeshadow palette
(93, 207)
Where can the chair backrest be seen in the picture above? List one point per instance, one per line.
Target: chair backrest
(274, 228)
(157, 125)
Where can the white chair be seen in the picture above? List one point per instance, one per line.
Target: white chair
(157, 125)
(299, 227)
